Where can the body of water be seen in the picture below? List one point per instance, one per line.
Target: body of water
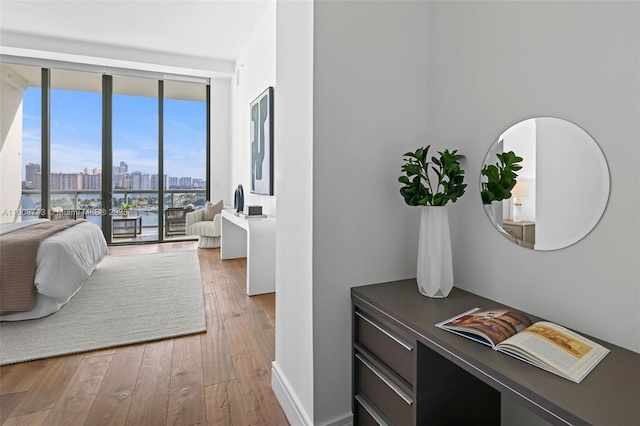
(31, 204)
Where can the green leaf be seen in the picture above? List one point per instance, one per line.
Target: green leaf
(420, 187)
(501, 177)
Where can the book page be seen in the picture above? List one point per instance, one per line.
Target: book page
(496, 325)
(553, 346)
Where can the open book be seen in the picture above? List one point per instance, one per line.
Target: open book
(543, 344)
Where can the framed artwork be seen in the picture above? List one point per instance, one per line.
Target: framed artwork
(261, 136)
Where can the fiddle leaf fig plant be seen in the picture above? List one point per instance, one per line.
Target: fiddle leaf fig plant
(420, 190)
(501, 177)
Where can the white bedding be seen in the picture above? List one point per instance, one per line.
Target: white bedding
(65, 261)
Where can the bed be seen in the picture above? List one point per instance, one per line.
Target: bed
(64, 262)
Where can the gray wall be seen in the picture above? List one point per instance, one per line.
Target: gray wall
(369, 86)
(392, 76)
(492, 64)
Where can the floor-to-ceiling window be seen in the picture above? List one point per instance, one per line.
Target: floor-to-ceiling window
(153, 153)
(185, 144)
(75, 181)
(135, 154)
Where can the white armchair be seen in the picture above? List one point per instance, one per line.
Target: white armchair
(208, 231)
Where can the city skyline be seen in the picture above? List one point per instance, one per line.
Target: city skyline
(122, 179)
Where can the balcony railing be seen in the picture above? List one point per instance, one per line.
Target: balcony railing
(88, 203)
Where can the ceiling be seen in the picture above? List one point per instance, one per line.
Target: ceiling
(213, 29)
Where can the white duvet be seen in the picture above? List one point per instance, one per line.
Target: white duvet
(65, 261)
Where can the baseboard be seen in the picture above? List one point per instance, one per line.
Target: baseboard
(291, 405)
(345, 420)
(287, 398)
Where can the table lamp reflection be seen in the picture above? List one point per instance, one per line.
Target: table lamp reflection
(521, 189)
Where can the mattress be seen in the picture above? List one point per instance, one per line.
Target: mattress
(65, 261)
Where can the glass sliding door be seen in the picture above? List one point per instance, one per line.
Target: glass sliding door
(135, 159)
(75, 180)
(184, 154)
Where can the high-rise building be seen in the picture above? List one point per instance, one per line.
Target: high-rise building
(125, 182)
(92, 181)
(123, 168)
(30, 174)
(173, 182)
(65, 181)
(185, 182)
(142, 180)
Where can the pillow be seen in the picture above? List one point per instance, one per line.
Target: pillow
(211, 210)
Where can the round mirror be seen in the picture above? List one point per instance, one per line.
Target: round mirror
(544, 183)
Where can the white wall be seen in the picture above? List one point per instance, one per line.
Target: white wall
(11, 145)
(292, 376)
(255, 71)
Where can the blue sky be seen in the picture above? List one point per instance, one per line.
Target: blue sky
(76, 134)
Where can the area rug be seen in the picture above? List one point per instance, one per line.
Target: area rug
(128, 299)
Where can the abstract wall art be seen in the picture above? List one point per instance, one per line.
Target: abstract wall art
(261, 135)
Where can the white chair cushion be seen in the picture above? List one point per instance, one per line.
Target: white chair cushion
(206, 228)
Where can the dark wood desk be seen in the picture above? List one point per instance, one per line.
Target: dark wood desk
(444, 375)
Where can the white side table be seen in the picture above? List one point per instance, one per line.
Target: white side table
(254, 239)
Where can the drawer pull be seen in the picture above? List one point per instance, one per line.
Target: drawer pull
(402, 394)
(370, 410)
(396, 339)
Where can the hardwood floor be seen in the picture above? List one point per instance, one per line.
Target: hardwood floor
(221, 377)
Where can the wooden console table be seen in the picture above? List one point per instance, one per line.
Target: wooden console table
(254, 239)
(407, 371)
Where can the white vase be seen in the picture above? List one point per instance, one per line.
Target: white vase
(435, 264)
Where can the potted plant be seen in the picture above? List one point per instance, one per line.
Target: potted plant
(125, 209)
(431, 184)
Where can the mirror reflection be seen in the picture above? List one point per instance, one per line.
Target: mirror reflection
(544, 183)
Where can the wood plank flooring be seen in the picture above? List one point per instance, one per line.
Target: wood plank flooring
(221, 377)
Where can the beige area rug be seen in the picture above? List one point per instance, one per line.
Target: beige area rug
(128, 299)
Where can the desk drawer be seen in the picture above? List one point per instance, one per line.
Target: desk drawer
(366, 415)
(388, 345)
(387, 396)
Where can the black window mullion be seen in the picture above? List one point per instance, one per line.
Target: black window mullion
(45, 140)
(161, 223)
(107, 155)
(208, 142)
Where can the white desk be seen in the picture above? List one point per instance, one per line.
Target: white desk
(254, 239)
